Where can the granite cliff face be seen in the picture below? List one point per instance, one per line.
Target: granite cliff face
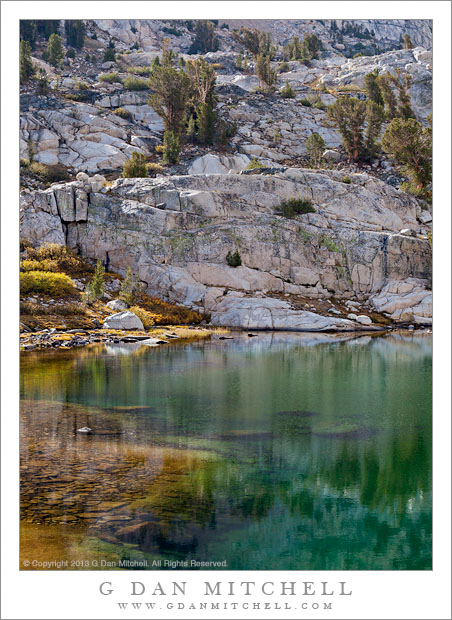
(175, 233)
(365, 246)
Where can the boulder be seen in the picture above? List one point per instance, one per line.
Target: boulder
(363, 319)
(215, 164)
(123, 320)
(117, 304)
(331, 156)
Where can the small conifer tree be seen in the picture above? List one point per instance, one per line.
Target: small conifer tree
(55, 51)
(26, 66)
(96, 288)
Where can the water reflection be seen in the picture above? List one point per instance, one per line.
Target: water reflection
(280, 451)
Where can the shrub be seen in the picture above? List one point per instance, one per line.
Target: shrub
(283, 67)
(87, 57)
(287, 91)
(294, 206)
(154, 169)
(233, 259)
(122, 113)
(47, 173)
(316, 102)
(135, 166)
(46, 283)
(133, 83)
(52, 254)
(82, 85)
(70, 53)
(146, 317)
(42, 84)
(346, 180)
(254, 163)
(306, 102)
(407, 44)
(111, 78)
(96, 288)
(143, 71)
(36, 265)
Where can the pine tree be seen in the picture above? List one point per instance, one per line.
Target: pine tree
(287, 91)
(55, 50)
(26, 66)
(349, 115)
(170, 97)
(265, 74)
(205, 40)
(403, 83)
(315, 146)
(390, 100)
(171, 147)
(206, 123)
(128, 288)
(75, 32)
(109, 54)
(96, 288)
(375, 117)
(410, 145)
(135, 167)
(372, 88)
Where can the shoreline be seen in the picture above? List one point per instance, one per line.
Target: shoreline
(53, 339)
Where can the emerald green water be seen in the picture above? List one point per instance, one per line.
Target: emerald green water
(284, 451)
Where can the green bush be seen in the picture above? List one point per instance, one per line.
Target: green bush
(254, 163)
(283, 67)
(46, 283)
(70, 53)
(143, 71)
(134, 83)
(233, 259)
(135, 166)
(82, 85)
(111, 78)
(346, 180)
(153, 169)
(295, 206)
(123, 113)
(287, 91)
(47, 173)
(306, 102)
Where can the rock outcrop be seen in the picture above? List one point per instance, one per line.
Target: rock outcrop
(175, 234)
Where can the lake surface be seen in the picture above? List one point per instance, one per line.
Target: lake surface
(283, 451)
